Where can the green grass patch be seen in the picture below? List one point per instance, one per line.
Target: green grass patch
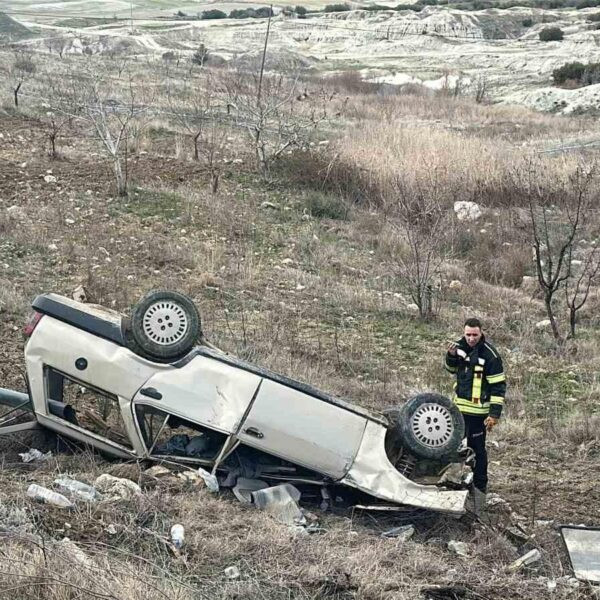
(146, 204)
(326, 206)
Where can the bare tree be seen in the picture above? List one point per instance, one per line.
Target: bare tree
(111, 100)
(579, 284)
(273, 114)
(421, 221)
(54, 124)
(557, 215)
(21, 69)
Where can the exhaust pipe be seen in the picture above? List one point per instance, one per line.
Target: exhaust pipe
(12, 399)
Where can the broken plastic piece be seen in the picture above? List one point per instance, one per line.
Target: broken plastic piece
(583, 546)
(281, 501)
(34, 455)
(459, 548)
(527, 559)
(244, 487)
(212, 485)
(42, 494)
(404, 532)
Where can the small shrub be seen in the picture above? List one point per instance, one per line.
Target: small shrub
(551, 34)
(587, 4)
(573, 70)
(337, 8)
(245, 13)
(326, 206)
(213, 13)
(300, 10)
(527, 22)
(578, 73)
(264, 12)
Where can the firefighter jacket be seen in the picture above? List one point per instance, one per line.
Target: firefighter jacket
(480, 382)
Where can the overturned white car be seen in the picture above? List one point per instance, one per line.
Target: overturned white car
(140, 388)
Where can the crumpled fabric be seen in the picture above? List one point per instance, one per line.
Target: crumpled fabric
(116, 488)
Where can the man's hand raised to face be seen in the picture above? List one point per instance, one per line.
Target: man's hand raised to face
(452, 348)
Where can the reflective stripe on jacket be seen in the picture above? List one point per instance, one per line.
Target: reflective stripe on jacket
(480, 381)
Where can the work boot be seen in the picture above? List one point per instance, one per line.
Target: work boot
(479, 503)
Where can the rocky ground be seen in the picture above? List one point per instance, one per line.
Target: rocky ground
(257, 274)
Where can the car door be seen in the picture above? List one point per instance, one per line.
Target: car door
(303, 429)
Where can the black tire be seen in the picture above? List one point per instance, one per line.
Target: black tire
(164, 325)
(428, 426)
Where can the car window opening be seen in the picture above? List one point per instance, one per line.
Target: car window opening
(98, 412)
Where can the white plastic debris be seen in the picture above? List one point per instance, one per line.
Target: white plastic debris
(403, 533)
(34, 455)
(49, 179)
(459, 548)
(74, 553)
(281, 501)
(42, 494)
(177, 535)
(527, 559)
(212, 485)
(232, 573)
(116, 488)
(77, 489)
(467, 211)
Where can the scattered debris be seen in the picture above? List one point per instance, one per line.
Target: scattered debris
(281, 501)
(457, 474)
(455, 284)
(77, 489)
(190, 477)
(543, 324)
(49, 179)
(271, 205)
(583, 546)
(74, 553)
(232, 573)
(79, 294)
(116, 488)
(177, 536)
(244, 487)
(158, 471)
(212, 485)
(459, 548)
(530, 558)
(34, 455)
(404, 532)
(42, 494)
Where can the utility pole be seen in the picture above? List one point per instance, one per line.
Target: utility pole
(262, 66)
(131, 17)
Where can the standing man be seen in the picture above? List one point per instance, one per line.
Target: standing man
(479, 395)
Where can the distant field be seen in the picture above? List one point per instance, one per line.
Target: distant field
(44, 11)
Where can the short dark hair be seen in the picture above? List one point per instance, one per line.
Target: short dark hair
(473, 322)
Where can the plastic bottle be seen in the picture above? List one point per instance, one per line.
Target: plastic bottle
(77, 489)
(177, 536)
(37, 492)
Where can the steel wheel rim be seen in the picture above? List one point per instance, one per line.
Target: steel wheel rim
(432, 425)
(165, 323)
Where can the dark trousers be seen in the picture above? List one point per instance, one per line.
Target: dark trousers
(475, 430)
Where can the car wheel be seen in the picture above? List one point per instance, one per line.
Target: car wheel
(164, 325)
(428, 426)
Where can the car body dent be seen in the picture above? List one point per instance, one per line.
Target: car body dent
(208, 392)
(372, 472)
